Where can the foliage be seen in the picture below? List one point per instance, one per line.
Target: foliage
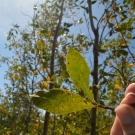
(60, 101)
(41, 65)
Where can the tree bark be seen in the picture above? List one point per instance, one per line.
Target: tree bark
(95, 69)
(95, 83)
(46, 119)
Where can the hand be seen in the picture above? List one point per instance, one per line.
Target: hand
(124, 123)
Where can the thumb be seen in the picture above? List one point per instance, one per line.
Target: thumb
(126, 117)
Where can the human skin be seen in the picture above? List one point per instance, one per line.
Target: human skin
(124, 123)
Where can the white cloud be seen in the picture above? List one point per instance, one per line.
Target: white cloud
(10, 11)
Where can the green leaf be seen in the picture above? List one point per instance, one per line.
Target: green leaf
(66, 29)
(129, 35)
(8, 37)
(93, 2)
(114, 16)
(95, 18)
(67, 24)
(123, 52)
(60, 101)
(105, 73)
(102, 50)
(85, 8)
(104, 81)
(81, 1)
(34, 25)
(133, 37)
(79, 71)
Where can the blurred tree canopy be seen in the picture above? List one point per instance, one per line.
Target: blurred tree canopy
(39, 64)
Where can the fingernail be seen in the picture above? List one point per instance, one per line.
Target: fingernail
(130, 93)
(124, 115)
(131, 84)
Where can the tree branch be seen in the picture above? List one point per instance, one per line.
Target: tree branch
(90, 16)
(46, 121)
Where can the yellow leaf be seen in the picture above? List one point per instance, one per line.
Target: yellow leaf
(36, 125)
(73, 12)
(40, 44)
(109, 63)
(39, 33)
(49, 35)
(123, 44)
(23, 85)
(50, 47)
(48, 78)
(15, 77)
(130, 12)
(111, 19)
(35, 72)
(51, 18)
(41, 68)
(116, 26)
(131, 65)
(8, 133)
(45, 84)
(117, 86)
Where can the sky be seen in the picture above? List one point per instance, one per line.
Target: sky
(11, 12)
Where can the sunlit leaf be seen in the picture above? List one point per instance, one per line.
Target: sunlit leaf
(3, 109)
(116, 26)
(112, 19)
(40, 44)
(60, 101)
(48, 78)
(35, 72)
(117, 86)
(45, 84)
(39, 33)
(79, 71)
(123, 44)
(129, 35)
(131, 65)
(109, 63)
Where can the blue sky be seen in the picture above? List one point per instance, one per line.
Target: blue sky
(11, 13)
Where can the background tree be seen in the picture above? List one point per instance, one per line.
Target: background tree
(39, 64)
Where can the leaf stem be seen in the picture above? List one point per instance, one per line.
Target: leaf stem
(104, 107)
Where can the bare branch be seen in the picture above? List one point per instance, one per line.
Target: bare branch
(90, 16)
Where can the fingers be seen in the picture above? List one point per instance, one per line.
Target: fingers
(124, 123)
(126, 117)
(116, 128)
(130, 88)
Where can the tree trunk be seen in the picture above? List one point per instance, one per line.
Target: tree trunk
(95, 70)
(46, 120)
(95, 83)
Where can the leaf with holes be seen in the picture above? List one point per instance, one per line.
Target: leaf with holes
(79, 71)
(60, 101)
